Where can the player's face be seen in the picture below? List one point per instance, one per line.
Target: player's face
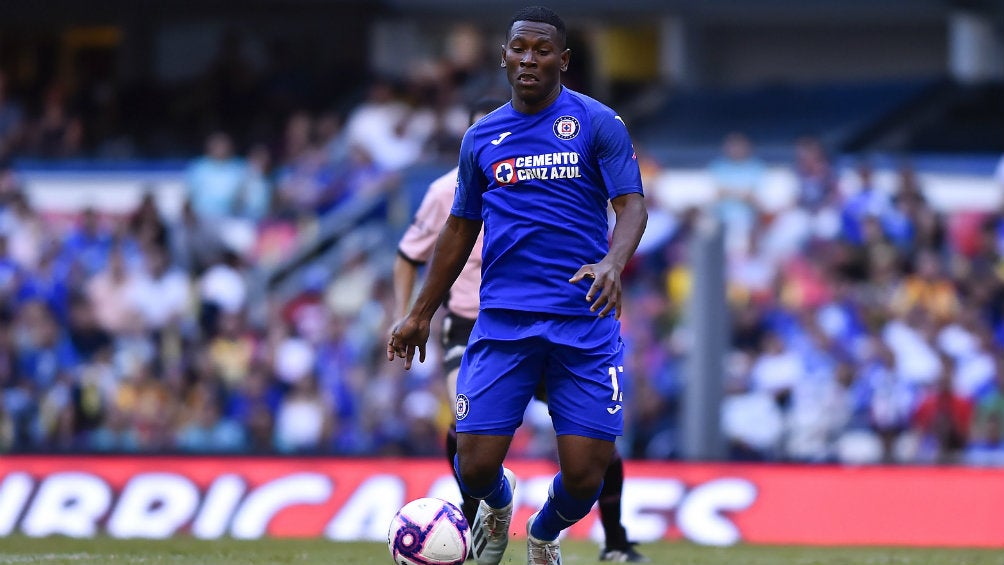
(534, 64)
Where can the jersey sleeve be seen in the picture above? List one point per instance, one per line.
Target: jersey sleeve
(615, 153)
(471, 181)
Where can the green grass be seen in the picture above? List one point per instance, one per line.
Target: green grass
(186, 551)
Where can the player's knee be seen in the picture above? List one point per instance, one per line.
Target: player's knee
(581, 482)
(477, 472)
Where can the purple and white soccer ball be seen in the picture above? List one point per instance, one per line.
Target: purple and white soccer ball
(429, 531)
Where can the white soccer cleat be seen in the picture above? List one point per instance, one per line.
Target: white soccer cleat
(541, 552)
(490, 531)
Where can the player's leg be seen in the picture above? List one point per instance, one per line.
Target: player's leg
(455, 334)
(468, 504)
(616, 548)
(497, 376)
(576, 487)
(585, 367)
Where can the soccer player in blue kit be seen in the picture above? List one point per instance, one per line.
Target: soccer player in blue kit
(538, 173)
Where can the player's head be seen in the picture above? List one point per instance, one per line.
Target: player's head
(483, 107)
(534, 55)
(541, 15)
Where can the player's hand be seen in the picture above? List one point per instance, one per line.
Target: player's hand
(407, 335)
(605, 292)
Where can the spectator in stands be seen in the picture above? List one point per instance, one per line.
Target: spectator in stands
(817, 182)
(11, 121)
(44, 352)
(28, 236)
(89, 244)
(57, 133)
(867, 203)
(302, 423)
(927, 288)
(115, 434)
(148, 411)
(203, 430)
(92, 393)
(305, 179)
(232, 351)
(884, 401)
(252, 404)
(145, 224)
(738, 180)
(107, 291)
(942, 421)
(10, 274)
(222, 290)
(387, 128)
(195, 242)
(161, 294)
(332, 136)
(88, 338)
(986, 446)
(753, 424)
(341, 376)
(213, 181)
(254, 201)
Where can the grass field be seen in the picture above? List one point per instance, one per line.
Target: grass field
(184, 551)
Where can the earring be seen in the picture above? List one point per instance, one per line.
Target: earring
(503, 64)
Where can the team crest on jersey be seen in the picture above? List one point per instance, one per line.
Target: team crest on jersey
(566, 127)
(463, 406)
(505, 171)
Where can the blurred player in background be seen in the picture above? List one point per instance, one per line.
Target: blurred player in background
(414, 250)
(539, 173)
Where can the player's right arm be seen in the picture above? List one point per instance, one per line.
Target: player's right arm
(452, 250)
(453, 247)
(405, 274)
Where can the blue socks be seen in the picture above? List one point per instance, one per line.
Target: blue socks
(498, 495)
(560, 511)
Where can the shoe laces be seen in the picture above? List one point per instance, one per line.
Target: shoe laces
(496, 523)
(544, 553)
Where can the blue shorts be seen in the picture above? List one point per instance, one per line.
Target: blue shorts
(580, 358)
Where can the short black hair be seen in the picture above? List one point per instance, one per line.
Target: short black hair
(542, 15)
(484, 106)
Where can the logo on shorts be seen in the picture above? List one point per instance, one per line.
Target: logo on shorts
(566, 127)
(463, 406)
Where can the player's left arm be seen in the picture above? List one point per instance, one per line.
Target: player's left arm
(619, 167)
(605, 292)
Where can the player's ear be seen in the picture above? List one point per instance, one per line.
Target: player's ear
(566, 56)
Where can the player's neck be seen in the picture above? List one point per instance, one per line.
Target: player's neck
(524, 107)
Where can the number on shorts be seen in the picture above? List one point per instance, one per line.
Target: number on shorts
(617, 396)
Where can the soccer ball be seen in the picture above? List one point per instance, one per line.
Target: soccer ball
(429, 531)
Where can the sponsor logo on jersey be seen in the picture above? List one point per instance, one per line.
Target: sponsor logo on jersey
(566, 127)
(463, 406)
(546, 166)
(505, 171)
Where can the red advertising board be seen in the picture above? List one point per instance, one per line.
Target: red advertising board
(354, 499)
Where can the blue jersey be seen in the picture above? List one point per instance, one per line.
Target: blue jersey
(541, 183)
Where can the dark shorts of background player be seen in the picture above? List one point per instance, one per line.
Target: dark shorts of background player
(456, 332)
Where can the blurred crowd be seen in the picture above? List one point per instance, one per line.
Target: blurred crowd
(866, 326)
(135, 333)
